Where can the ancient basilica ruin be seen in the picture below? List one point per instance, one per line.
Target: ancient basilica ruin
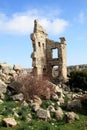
(43, 60)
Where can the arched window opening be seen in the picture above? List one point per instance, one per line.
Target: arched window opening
(55, 71)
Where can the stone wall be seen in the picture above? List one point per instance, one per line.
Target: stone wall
(42, 56)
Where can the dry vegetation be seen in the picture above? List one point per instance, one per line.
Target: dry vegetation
(31, 85)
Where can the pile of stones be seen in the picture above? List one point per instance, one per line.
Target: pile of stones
(7, 73)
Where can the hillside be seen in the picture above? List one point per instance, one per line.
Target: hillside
(28, 103)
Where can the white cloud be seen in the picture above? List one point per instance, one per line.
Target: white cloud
(81, 17)
(22, 23)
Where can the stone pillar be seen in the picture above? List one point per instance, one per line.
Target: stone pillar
(63, 66)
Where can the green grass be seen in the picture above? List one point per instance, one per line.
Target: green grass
(53, 125)
(36, 124)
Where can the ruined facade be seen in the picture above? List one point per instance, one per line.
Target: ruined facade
(42, 56)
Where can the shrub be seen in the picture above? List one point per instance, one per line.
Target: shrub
(46, 103)
(84, 99)
(32, 85)
(78, 79)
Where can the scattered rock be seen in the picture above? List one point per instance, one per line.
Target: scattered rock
(43, 114)
(1, 101)
(59, 114)
(28, 117)
(24, 103)
(71, 116)
(37, 100)
(15, 87)
(51, 108)
(17, 67)
(60, 101)
(15, 114)
(9, 122)
(5, 65)
(2, 96)
(35, 106)
(3, 87)
(55, 97)
(18, 97)
(74, 105)
(65, 87)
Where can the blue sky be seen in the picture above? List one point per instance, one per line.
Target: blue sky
(66, 18)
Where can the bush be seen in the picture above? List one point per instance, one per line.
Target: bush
(46, 103)
(32, 85)
(84, 100)
(78, 79)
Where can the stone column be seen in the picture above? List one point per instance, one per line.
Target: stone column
(63, 66)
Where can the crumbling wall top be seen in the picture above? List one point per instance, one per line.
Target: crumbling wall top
(38, 28)
(63, 40)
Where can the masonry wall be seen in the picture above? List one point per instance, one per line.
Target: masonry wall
(42, 59)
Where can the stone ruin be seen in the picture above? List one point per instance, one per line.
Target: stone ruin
(43, 61)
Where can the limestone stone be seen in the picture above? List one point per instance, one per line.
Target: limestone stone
(15, 87)
(25, 104)
(43, 114)
(51, 108)
(1, 101)
(71, 116)
(10, 122)
(55, 97)
(60, 101)
(5, 65)
(2, 96)
(37, 100)
(35, 106)
(17, 67)
(3, 87)
(74, 104)
(59, 114)
(18, 97)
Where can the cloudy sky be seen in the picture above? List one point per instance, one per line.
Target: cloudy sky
(66, 18)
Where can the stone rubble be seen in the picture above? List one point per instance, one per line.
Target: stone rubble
(58, 98)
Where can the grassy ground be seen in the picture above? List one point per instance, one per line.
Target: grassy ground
(35, 124)
(42, 125)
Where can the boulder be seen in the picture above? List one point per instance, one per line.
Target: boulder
(55, 97)
(76, 96)
(1, 101)
(24, 104)
(74, 105)
(5, 65)
(35, 106)
(37, 100)
(18, 97)
(17, 67)
(15, 87)
(10, 122)
(2, 96)
(59, 114)
(60, 101)
(6, 68)
(29, 117)
(51, 108)
(43, 114)
(71, 116)
(65, 87)
(3, 87)
(59, 91)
